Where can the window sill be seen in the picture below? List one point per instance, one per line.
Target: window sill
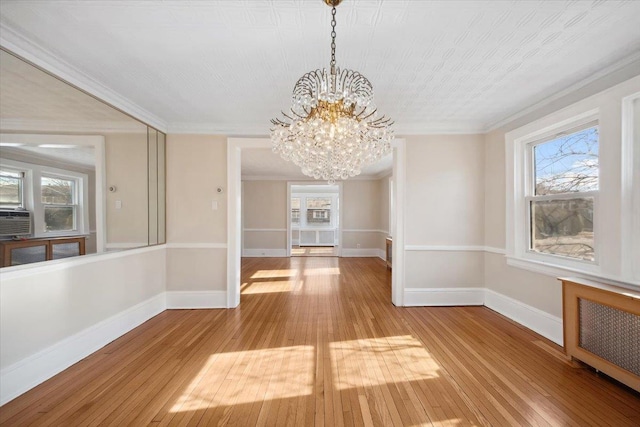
(555, 270)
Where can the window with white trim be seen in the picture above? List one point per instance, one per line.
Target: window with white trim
(11, 188)
(59, 196)
(561, 193)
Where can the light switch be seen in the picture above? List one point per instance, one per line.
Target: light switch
(118, 204)
(214, 205)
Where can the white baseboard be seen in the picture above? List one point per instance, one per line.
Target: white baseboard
(37, 368)
(539, 321)
(268, 253)
(196, 299)
(443, 296)
(363, 253)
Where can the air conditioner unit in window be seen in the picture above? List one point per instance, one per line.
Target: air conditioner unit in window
(14, 223)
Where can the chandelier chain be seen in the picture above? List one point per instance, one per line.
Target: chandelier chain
(332, 129)
(333, 39)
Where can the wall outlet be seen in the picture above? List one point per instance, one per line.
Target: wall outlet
(118, 204)
(358, 245)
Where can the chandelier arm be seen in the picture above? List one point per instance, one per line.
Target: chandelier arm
(368, 115)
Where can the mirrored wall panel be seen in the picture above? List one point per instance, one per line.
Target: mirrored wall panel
(73, 167)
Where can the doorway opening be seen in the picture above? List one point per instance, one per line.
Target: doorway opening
(235, 148)
(313, 227)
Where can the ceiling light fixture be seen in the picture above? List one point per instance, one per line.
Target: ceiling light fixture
(332, 130)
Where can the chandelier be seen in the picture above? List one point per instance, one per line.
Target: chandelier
(332, 129)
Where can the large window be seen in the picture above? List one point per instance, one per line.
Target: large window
(318, 210)
(11, 189)
(60, 203)
(57, 198)
(563, 186)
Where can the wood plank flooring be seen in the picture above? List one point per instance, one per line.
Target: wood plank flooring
(316, 342)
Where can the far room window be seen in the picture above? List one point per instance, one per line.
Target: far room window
(319, 210)
(562, 193)
(11, 189)
(60, 202)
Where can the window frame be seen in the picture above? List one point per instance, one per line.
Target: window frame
(23, 184)
(530, 193)
(520, 184)
(32, 197)
(76, 199)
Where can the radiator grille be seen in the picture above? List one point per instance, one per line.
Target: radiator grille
(611, 334)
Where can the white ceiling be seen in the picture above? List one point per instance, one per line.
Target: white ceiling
(229, 66)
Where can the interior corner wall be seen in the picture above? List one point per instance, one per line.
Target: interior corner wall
(264, 216)
(196, 221)
(526, 290)
(444, 219)
(361, 212)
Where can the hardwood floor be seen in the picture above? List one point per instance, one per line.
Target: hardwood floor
(317, 342)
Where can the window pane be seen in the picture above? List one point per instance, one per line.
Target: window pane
(295, 210)
(57, 191)
(10, 189)
(319, 210)
(59, 218)
(567, 164)
(563, 227)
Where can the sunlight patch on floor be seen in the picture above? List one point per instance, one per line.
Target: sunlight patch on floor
(329, 271)
(250, 376)
(268, 287)
(272, 274)
(363, 363)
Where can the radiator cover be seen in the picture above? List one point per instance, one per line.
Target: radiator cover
(611, 334)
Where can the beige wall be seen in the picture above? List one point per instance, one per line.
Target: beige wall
(196, 234)
(264, 207)
(366, 208)
(445, 190)
(444, 208)
(265, 204)
(360, 204)
(196, 166)
(126, 168)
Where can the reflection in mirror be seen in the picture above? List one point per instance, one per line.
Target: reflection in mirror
(76, 175)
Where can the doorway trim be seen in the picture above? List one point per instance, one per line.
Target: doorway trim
(340, 217)
(234, 210)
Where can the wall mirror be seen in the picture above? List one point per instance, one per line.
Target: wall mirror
(77, 176)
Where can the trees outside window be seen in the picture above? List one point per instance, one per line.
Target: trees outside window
(59, 199)
(562, 194)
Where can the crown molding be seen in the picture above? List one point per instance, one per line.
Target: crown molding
(18, 44)
(21, 125)
(632, 62)
(240, 130)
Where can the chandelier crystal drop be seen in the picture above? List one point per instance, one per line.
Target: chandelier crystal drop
(332, 129)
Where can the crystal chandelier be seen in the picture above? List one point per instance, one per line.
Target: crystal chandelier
(332, 129)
